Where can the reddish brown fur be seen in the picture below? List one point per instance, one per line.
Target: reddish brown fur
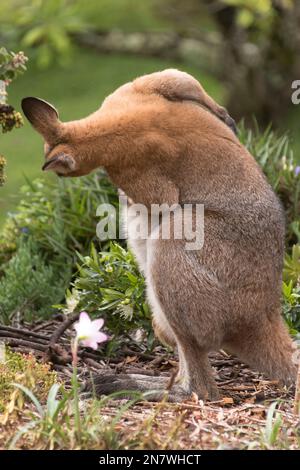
(162, 139)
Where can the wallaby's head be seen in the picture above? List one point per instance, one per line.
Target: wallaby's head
(143, 109)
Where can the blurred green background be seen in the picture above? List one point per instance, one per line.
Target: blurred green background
(246, 53)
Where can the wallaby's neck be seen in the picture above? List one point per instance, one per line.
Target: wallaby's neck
(97, 133)
(97, 140)
(115, 144)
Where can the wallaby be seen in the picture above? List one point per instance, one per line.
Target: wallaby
(163, 139)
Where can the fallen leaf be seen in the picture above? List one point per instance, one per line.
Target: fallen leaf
(227, 401)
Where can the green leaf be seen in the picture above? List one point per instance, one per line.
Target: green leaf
(32, 397)
(20, 433)
(52, 403)
(33, 36)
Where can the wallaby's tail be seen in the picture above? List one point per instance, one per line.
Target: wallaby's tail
(269, 349)
(154, 388)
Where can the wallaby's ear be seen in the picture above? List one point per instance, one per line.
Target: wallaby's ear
(175, 85)
(43, 116)
(61, 163)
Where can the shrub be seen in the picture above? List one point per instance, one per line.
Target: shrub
(60, 215)
(40, 239)
(11, 65)
(46, 27)
(276, 158)
(31, 285)
(291, 290)
(109, 285)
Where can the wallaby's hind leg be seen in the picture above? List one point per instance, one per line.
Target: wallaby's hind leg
(268, 349)
(195, 373)
(180, 315)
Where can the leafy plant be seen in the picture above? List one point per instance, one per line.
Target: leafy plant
(44, 27)
(52, 222)
(273, 426)
(252, 12)
(27, 371)
(109, 284)
(11, 65)
(291, 306)
(291, 270)
(60, 216)
(30, 285)
(276, 158)
(52, 426)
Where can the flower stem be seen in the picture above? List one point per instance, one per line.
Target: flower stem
(297, 393)
(75, 390)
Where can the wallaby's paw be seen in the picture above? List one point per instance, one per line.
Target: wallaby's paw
(212, 393)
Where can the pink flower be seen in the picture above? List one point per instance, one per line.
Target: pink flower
(88, 333)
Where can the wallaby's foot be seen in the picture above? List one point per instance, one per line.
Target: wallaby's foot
(154, 388)
(195, 372)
